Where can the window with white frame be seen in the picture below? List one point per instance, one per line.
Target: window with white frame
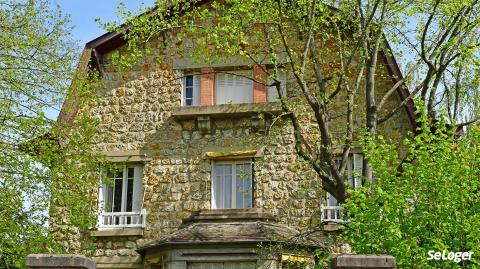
(121, 196)
(191, 90)
(353, 173)
(232, 185)
(234, 87)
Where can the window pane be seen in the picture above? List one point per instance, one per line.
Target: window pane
(107, 198)
(191, 94)
(189, 97)
(272, 92)
(222, 186)
(117, 196)
(234, 88)
(189, 81)
(239, 265)
(113, 191)
(205, 265)
(358, 168)
(129, 189)
(188, 90)
(331, 201)
(243, 188)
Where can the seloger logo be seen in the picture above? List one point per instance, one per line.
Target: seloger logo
(455, 256)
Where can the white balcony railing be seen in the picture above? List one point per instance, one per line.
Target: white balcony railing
(332, 214)
(122, 219)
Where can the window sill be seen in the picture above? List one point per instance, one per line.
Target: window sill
(230, 214)
(226, 110)
(333, 227)
(117, 232)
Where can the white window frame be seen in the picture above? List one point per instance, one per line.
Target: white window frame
(123, 218)
(233, 163)
(333, 210)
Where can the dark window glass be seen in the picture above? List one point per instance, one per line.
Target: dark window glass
(189, 90)
(113, 191)
(129, 190)
(131, 172)
(117, 200)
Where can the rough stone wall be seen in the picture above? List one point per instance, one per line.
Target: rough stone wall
(135, 110)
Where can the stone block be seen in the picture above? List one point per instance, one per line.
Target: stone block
(363, 261)
(45, 261)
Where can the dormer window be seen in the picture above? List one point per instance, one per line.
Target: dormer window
(191, 90)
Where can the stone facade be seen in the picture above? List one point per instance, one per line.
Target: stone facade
(136, 110)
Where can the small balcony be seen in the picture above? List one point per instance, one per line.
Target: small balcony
(109, 220)
(332, 214)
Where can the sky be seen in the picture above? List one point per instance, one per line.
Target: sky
(84, 12)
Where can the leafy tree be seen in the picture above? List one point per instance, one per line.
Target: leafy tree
(330, 50)
(429, 201)
(37, 57)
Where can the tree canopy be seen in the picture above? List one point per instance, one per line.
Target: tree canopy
(331, 50)
(429, 201)
(37, 62)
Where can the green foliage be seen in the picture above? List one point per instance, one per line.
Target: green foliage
(40, 156)
(427, 201)
(331, 52)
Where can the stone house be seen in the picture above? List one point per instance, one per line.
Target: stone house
(201, 184)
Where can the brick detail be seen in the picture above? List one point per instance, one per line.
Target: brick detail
(207, 87)
(259, 87)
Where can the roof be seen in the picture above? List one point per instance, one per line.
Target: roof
(113, 40)
(233, 226)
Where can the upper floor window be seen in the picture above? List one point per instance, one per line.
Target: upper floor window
(120, 198)
(234, 88)
(228, 87)
(232, 185)
(191, 90)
